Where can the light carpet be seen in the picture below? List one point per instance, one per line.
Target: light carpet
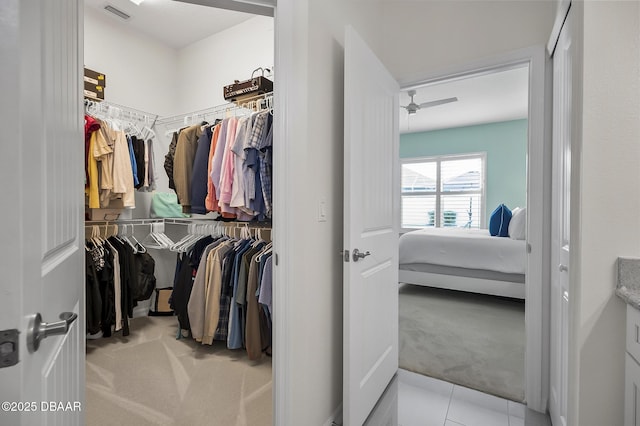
(472, 340)
(150, 378)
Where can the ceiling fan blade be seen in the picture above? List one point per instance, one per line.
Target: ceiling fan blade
(438, 102)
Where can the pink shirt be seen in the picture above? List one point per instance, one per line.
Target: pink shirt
(226, 175)
(211, 202)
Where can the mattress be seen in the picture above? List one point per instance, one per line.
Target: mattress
(463, 272)
(463, 248)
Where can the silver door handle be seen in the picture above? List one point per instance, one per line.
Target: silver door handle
(562, 268)
(357, 254)
(38, 330)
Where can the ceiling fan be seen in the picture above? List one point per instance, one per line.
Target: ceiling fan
(413, 107)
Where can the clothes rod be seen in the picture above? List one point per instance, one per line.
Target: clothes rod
(123, 222)
(205, 221)
(193, 117)
(119, 111)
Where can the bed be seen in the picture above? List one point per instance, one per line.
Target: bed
(464, 259)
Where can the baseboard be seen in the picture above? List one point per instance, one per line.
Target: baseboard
(336, 418)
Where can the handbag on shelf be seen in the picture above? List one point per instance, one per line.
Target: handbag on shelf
(165, 204)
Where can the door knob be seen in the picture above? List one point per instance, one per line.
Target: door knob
(562, 268)
(357, 254)
(38, 330)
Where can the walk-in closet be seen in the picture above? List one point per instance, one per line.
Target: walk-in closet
(178, 213)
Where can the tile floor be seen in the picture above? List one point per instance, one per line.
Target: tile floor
(424, 401)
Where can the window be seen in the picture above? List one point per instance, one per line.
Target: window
(444, 191)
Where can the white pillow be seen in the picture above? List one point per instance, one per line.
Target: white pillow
(518, 224)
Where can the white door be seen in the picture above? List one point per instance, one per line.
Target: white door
(371, 217)
(41, 176)
(561, 183)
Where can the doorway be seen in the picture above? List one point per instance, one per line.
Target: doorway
(181, 107)
(537, 197)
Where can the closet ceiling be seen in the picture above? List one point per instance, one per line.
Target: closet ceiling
(489, 98)
(173, 23)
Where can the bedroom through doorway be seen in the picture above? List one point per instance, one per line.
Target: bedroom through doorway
(464, 145)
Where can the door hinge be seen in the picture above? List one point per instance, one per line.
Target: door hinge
(9, 346)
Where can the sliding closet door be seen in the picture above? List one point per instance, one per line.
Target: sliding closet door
(371, 221)
(41, 249)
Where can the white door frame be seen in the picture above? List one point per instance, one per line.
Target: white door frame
(286, 101)
(538, 207)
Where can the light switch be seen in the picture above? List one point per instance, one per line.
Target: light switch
(322, 211)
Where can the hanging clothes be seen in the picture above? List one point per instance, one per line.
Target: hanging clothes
(213, 290)
(92, 190)
(169, 160)
(224, 302)
(141, 164)
(211, 202)
(116, 163)
(185, 276)
(199, 178)
(186, 148)
(91, 125)
(117, 278)
(196, 309)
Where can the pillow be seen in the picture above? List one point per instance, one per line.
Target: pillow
(514, 212)
(499, 221)
(518, 224)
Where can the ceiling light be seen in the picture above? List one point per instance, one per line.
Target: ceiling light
(117, 12)
(137, 2)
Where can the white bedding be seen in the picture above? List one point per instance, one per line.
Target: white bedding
(463, 248)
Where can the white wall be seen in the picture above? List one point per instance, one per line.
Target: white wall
(204, 67)
(313, 263)
(422, 39)
(608, 206)
(141, 72)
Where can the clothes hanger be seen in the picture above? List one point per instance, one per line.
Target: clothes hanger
(265, 251)
(159, 237)
(125, 239)
(189, 240)
(176, 247)
(152, 241)
(97, 241)
(258, 238)
(139, 247)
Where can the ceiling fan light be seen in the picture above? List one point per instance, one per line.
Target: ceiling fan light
(136, 2)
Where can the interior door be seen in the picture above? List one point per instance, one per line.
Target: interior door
(41, 249)
(561, 177)
(371, 221)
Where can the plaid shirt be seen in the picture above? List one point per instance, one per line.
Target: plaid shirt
(266, 162)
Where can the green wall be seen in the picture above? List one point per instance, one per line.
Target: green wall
(505, 144)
